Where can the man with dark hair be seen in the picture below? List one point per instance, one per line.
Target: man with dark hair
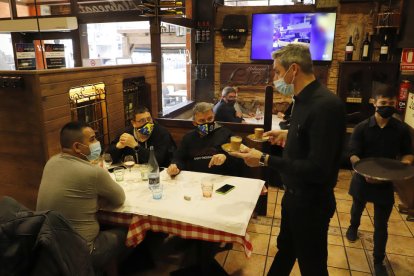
(200, 149)
(381, 135)
(137, 139)
(224, 110)
(74, 187)
(309, 166)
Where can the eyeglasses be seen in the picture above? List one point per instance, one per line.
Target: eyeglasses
(144, 120)
(204, 121)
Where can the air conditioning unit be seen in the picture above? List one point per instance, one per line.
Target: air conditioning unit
(50, 24)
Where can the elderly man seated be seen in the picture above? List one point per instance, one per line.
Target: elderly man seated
(200, 149)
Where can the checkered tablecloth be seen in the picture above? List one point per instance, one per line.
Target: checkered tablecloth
(139, 225)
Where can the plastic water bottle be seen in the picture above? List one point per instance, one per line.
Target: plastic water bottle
(154, 173)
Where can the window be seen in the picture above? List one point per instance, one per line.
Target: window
(119, 43)
(5, 9)
(6, 52)
(176, 62)
(266, 2)
(43, 8)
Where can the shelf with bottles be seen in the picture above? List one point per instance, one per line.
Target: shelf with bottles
(203, 71)
(203, 32)
(375, 47)
(168, 8)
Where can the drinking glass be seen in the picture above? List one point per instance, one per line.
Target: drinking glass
(107, 160)
(129, 162)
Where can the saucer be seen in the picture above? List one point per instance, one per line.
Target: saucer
(252, 137)
(227, 147)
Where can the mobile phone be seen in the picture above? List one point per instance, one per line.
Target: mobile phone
(225, 189)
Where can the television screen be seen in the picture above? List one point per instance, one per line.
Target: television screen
(271, 32)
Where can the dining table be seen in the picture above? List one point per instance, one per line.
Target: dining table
(184, 211)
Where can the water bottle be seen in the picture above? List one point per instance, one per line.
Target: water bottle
(154, 173)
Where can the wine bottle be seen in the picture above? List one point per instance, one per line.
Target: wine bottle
(349, 49)
(198, 32)
(384, 49)
(154, 173)
(203, 32)
(365, 50)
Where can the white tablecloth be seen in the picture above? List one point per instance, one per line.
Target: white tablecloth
(230, 213)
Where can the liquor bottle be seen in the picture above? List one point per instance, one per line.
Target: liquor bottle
(198, 32)
(154, 173)
(384, 49)
(365, 49)
(207, 31)
(203, 32)
(349, 49)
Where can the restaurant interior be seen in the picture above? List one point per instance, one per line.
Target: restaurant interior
(96, 61)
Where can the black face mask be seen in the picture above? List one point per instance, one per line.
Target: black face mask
(386, 111)
(231, 102)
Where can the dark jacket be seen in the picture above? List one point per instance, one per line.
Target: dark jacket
(225, 113)
(195, 152)
(369, 140)
(164, 147)
(39, 243)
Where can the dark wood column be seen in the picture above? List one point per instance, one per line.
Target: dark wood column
(155, 31)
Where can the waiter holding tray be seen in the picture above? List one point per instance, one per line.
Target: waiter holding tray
(380, 136)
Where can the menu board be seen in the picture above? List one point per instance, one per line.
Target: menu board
(55, 56)
(26, 56)
(409, 112)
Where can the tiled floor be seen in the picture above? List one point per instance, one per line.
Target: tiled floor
(344, 258)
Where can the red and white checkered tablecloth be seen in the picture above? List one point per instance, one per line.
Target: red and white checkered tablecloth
(139, 225)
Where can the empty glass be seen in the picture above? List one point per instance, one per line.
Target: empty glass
(156, 191)
(119, 174)
(207, 187)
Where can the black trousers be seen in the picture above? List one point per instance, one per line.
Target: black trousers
(304, 234)
(382, 213)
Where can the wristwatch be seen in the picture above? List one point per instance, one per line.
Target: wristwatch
(262, 160)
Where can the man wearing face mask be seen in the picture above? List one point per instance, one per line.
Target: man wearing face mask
(381, 135)
(75, 187)
(224, 110)
(309, 165)
(137, 139)
(200, 149)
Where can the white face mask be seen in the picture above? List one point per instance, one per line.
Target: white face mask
(284, 88)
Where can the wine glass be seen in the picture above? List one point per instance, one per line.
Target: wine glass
(129, 162)
(107, 158)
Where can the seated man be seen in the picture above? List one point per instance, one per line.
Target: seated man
(224, 109)
(74, 187)
(200, 149)
(381, 135)
(136, 140)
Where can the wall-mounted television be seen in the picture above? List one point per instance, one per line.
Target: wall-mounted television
(272, 31)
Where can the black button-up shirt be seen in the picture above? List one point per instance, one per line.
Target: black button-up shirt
(369, 140)
(315, 139)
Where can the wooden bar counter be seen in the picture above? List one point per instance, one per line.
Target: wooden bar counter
(33, 110)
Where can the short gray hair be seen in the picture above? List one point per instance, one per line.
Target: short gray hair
(202, 107)
(227, 90)
(295, 53)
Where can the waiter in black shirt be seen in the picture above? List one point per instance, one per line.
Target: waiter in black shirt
(381, 135)
(309, 165)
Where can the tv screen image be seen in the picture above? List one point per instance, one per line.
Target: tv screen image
(271, 32)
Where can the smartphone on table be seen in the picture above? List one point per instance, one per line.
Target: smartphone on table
(225, 189)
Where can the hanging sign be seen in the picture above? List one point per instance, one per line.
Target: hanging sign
(407, 60)
(26, 56)
(55, 56)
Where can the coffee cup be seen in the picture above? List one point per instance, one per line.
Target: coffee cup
(235, 142)
(258, 133)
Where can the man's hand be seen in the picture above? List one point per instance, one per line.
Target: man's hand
(126, 140)
(217, 160)
(354, 159)
(277, 137)
(250, 156)
(173, 170)
(239, 115)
